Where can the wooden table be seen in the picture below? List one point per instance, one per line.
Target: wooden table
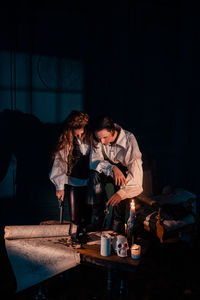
(90, 255)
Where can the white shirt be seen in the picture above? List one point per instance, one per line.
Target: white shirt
(58, 173)
(125, 151)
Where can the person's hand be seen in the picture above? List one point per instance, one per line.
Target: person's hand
(60, 194)
(114, 200)
(119, 177)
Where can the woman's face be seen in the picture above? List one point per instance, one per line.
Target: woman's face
(79, 133)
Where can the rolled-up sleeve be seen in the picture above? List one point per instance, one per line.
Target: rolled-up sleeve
(58, 174)
(98, 163)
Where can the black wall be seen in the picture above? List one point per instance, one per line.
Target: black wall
(141, 67)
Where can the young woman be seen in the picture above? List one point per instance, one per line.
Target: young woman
(70, 171)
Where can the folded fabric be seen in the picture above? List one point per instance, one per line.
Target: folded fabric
(176, 196)
(177, 209)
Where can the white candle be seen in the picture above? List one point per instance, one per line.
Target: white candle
(131, 219)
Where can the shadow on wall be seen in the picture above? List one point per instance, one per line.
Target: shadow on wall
(31, 142)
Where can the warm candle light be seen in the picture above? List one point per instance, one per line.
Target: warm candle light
(131, 222)
(133, 205)
(135, 251)
(125, 229)
(131, 219)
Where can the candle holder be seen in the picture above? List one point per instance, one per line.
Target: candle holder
(130, 236)
(135, 251)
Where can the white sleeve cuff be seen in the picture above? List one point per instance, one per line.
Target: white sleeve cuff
(109, 170)
(60, 187)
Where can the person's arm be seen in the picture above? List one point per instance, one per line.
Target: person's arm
(58, 173)
(60, 194)
(134, 178)
(98, 163)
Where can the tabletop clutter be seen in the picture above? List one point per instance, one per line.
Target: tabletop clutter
(118, 244)
(122, 245)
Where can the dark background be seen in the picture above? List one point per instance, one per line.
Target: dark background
(141, 66)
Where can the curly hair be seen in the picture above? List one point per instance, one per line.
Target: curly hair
(76, 120)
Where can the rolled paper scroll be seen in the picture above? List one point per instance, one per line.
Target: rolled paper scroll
(36, 231)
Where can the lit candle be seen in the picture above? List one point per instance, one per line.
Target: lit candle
(125, 229)
(135, 251)
(130, 223)
(131, 219)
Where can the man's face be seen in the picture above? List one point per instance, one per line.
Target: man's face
(79, 133)
(104, 136)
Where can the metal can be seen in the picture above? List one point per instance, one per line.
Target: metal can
(105, 249)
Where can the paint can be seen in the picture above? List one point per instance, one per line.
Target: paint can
(105, 245)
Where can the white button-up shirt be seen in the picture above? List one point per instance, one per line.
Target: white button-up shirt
(125, 151)
(58, 173)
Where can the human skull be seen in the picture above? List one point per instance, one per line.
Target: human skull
(122, 246)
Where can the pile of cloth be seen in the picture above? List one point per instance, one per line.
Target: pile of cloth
(176, 208)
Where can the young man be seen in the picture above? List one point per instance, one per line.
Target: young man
(115, 158)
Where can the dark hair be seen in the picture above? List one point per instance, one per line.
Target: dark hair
(103, 122)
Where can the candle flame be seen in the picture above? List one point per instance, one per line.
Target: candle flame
(125, 229)
(132, 204)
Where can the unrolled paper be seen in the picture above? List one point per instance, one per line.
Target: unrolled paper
(37, 259)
